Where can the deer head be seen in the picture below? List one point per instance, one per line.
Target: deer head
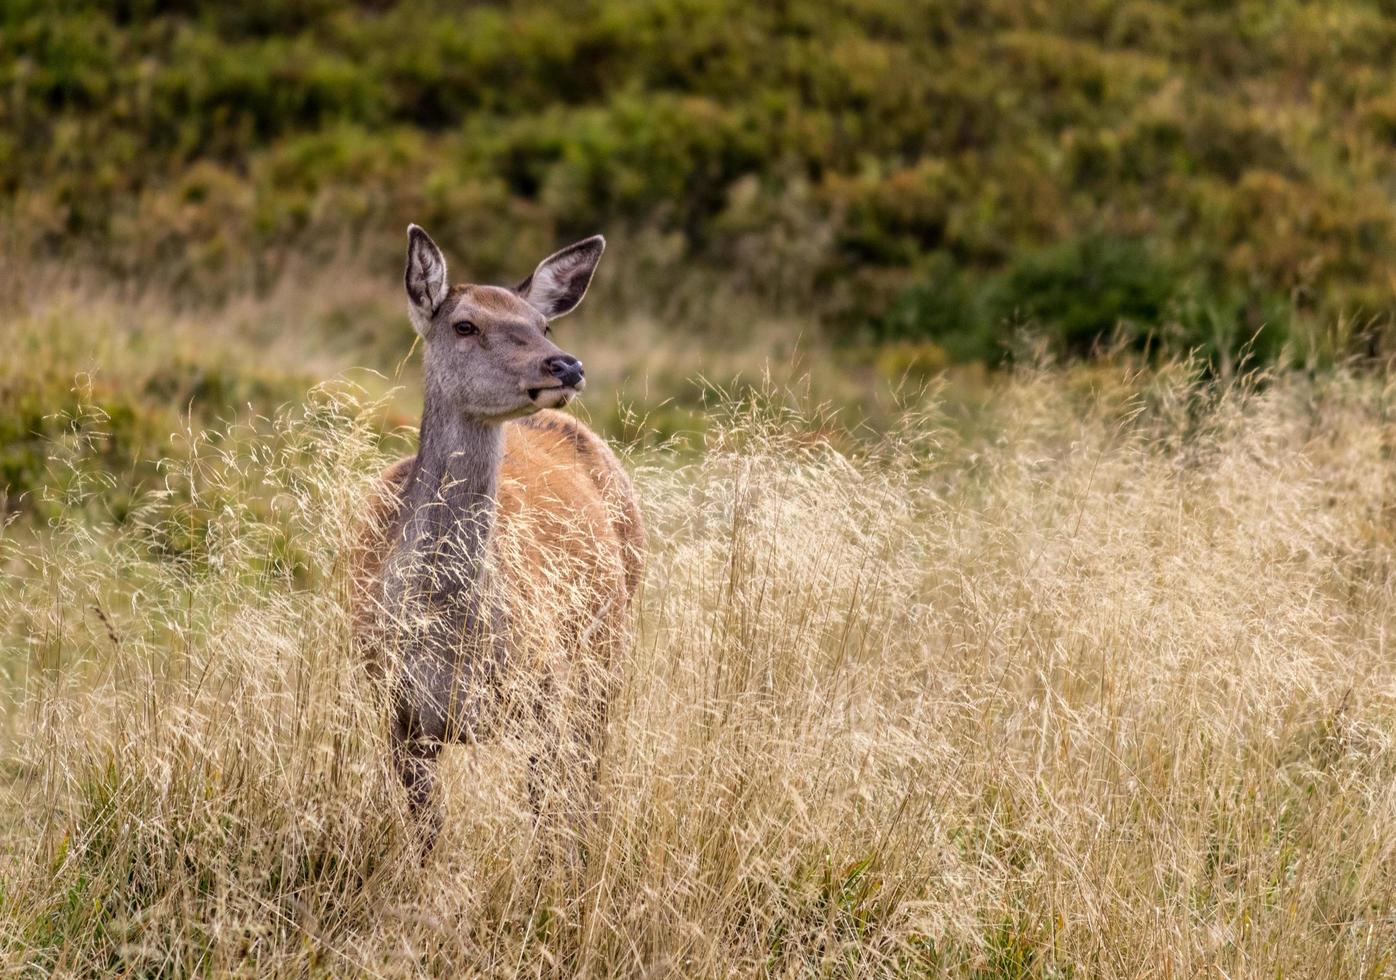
(488, 354)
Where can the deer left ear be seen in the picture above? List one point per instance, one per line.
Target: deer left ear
(561, 280)
(425, 278)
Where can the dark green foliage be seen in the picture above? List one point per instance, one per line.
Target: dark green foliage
(1185, 161)
(1083, 294)
(1082, 290)
(943, 306)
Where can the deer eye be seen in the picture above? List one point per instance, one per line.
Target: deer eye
(465, 328)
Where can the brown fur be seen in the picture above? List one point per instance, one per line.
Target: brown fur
(562, 481)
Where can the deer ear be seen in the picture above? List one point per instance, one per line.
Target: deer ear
(561, 280)
(425, 278)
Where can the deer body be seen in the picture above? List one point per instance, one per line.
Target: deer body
(510, 545)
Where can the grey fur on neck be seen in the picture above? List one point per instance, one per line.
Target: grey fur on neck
(452, 641)
(448, 505)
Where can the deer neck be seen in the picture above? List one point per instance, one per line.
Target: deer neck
(449, 502)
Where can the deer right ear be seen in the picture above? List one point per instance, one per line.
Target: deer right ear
(561, 280)
(425, 278)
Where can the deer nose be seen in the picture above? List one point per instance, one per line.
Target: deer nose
(565, 368)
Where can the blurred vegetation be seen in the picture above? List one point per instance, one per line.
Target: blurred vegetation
(93, 409)
(1191, 174)
(102, 393)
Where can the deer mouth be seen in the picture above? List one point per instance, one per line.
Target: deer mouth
(551, 396)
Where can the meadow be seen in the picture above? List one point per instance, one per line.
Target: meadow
(1006, 387)
(1080, 670)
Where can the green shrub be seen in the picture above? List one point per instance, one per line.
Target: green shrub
(1084, 290)
(943, 307)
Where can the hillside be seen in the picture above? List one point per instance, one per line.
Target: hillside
(1213, 174)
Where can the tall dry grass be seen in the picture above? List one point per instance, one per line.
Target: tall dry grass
(1098, 688)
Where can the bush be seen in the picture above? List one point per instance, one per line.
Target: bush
(1084, 290)
(942, 306)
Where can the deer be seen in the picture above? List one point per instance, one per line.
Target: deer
(509, 545)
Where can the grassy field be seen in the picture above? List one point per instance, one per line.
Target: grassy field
(1006, 387)
(1072, 671)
